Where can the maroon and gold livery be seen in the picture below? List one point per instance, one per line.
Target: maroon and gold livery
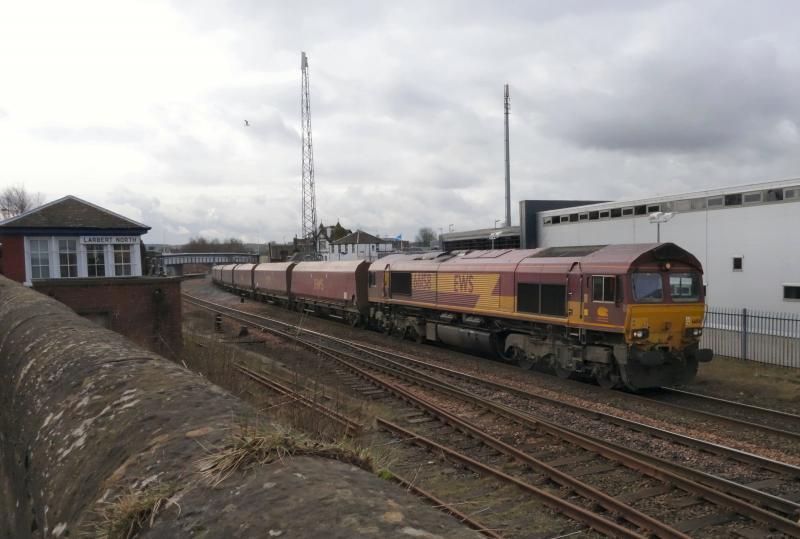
(625, 315)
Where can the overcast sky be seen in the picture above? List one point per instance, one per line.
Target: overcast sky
(140, 106)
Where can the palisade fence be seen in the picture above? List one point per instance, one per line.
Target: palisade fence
(760, 336)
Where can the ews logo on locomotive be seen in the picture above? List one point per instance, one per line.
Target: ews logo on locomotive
(463, 283)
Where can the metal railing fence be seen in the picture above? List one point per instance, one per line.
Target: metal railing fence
(765, 337)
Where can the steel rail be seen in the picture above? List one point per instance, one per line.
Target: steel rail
(793, 434)
(444, 506)
(587, 517)
(575, 512)
(609, 451)
(353, 427)
(600, 447)
(782, 505)
(735, 454)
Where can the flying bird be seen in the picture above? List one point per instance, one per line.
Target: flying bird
(246, 123)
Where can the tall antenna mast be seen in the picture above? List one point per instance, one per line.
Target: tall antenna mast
(508, 162)
(309, 231)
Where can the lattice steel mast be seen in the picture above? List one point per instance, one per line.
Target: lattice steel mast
(507, 108)
(309, 231)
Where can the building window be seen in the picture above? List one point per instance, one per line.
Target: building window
(604, 288)
(653, 209)
(40, 259)
(627, 211)
(753, 198)
(737, 263)
(594, 215)
(68, 258)
(640, 210)
(604, 214)
(791, 291)
(573, 218)
(616, 212)
(774, 195)
(733, 200)
(548, 220)
(96, 260)
(583, 216)
(122, 260)
(715, 202)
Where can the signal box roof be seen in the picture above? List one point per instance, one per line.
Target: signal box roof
(72, 213)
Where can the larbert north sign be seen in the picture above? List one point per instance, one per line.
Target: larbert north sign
(94, 240)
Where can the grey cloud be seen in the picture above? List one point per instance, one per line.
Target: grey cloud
(90, 134)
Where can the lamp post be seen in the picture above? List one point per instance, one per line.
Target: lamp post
(658, 218)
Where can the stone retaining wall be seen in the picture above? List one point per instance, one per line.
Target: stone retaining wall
(87, 416)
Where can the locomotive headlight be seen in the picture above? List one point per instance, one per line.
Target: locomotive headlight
(640, 333)
(694, 332)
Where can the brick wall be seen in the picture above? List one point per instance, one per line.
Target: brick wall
(147, 310)
(12, 257)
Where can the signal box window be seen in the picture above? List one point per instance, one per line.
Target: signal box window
(604, 288)
(737, 263)
(791, 292)
(40, 259)
(122, 260)
(68, 257)
(400, 283)
(95, 260)
(684, 286)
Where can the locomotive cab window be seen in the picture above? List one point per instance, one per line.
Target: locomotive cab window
(604, 288)
(647, 287)
(684, 286)
(401, 283)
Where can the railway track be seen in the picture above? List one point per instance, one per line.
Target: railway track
(737, 413)
(668, 496)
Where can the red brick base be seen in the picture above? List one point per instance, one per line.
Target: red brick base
(147, 310)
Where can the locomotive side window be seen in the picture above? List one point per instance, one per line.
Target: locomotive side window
(371, 279)
(528, 298)
(684, 286)
(647, 287)
(401, 283)
(604, 288)
(554, 299)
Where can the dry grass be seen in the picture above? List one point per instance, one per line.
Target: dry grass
(255, 446)
(736, 379)
(130, 512)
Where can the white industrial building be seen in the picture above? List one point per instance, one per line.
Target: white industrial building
(747, 237)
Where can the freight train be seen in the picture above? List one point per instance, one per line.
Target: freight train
(624, 315)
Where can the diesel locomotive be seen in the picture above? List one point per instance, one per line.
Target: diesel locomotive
(624, 315)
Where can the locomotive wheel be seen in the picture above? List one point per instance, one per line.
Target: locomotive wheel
(562, 372)
(418, 337)
(519, 357)
(607, 379)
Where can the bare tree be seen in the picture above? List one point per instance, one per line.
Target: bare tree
(16, 199)
(425, 236)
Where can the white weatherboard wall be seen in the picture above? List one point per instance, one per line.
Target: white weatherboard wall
(766, 236)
